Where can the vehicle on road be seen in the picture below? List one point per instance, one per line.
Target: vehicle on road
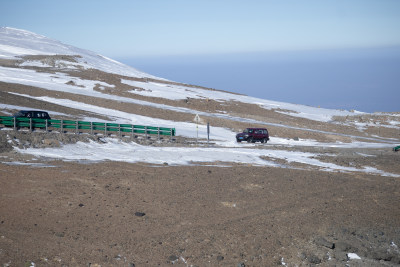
(252, 135)
(37, 114)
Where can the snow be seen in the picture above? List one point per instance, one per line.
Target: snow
(116, 150)
(353, 256)
(49, 81)
(221, 136)
(15, 43)
(175, 92)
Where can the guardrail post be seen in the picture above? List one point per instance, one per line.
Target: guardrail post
(105, 129)
(15, 123)
(158, 132)
(133, 131)
(47, 125)
(145, 132)
(119, 130)
(76, 127)
(62, 126)
(91, 128)
(30, 124)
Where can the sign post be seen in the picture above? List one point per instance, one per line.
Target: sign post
(208, 133)
(197, 119)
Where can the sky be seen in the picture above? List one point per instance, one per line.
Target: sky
(253, 47)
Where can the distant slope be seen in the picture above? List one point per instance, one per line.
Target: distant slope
(15, 43)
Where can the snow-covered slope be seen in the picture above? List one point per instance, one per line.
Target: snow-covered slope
(41, 73)
(15, 43)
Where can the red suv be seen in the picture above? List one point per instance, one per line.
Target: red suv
(252, 135)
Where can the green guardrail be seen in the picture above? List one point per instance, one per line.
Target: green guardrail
(396, 148)
(68, 125)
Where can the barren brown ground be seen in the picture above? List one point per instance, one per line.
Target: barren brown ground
(121, 214)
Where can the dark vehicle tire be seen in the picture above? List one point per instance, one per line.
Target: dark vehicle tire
(237, 140)
(250, 140)
(264, 140)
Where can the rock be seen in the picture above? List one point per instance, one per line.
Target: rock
(342, 246)
(131, 264)
(241, 264)
(313, 259)
(81, 205)
(340, 256)
(140, 214)
(220, 258)
(320, 241)
(51, 143)
(381, 254)
(172, 258)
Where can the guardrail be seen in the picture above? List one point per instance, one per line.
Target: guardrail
(103, 127)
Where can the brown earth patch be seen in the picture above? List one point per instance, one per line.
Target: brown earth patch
(118, 214)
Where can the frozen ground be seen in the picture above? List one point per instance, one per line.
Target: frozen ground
(115, 150)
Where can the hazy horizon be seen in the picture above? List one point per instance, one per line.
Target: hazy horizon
(362, 79)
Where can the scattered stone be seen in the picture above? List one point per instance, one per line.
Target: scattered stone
(81, 205)
(59, 234)
(220, 258)
(131, 264)
(320, 241)
(341, 256)
(140, 214)
(172, 258)
(241, 264)
(342, 246)
(312, 258)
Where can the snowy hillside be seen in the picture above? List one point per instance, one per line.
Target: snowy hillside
(40, 73)
(15, 43)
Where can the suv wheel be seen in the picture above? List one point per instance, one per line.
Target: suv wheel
(250, 140)
(264, 140)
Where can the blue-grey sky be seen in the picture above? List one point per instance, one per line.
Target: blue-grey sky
(160, 27)
(268, 39)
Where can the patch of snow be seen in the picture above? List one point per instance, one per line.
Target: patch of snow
(32, 164)
(202, 128)
(175, 92)
(116, 150)
(353, 256)
(49, 81)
